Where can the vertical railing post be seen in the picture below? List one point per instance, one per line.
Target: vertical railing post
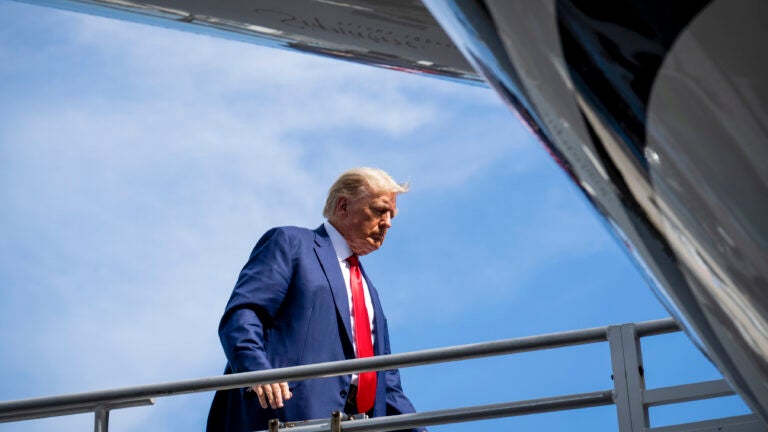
(628, 378)
(101, 419)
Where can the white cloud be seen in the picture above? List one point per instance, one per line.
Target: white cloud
(136, 186)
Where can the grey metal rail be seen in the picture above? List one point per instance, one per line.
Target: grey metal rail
(473, 413)
(621, 339)
(84, 401)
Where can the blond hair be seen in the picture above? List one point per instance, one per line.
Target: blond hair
(359, 182)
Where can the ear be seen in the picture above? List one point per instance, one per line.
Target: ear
(341, 206)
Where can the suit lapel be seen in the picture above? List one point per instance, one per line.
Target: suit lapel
(330, 264)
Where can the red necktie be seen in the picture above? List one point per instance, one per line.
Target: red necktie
(366, 383)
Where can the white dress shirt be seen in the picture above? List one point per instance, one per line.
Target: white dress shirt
(343, 252)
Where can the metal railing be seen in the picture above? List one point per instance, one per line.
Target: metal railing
(629, 395)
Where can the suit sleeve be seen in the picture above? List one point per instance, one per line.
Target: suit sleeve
(258, 294)
(397, 401)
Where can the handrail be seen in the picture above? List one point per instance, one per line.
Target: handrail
(87, 400)
(470, 413)
(629, 394)
(56, 411)
(687, 392)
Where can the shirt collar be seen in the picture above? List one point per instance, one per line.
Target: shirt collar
(343, 251)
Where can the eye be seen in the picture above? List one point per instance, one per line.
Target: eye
(380, 211)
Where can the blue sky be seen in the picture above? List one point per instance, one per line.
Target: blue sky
(139, 165)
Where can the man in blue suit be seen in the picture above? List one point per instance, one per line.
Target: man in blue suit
(293, 305)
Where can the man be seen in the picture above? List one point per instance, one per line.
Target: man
(303, 298)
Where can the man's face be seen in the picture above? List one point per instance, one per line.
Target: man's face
(363, 222)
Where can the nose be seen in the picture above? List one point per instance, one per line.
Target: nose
(386, 220)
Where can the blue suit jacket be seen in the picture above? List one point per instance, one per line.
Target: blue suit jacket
(289, 307)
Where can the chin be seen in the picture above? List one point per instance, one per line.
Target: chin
(366, 249)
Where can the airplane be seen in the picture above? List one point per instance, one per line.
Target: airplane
(656, 111)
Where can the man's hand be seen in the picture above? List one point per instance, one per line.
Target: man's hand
(272, 395)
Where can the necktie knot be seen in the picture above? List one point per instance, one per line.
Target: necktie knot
(353, 260)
